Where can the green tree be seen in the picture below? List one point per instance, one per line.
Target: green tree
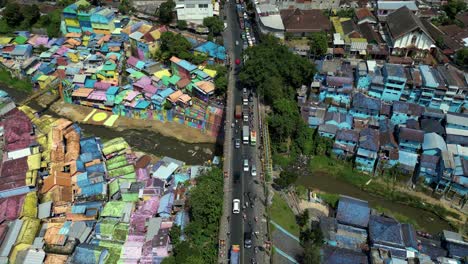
(286, 179)
(303, 218)
(165, 12)
(175, 234)
(181, 24)
(311, 253)
(12, 14)
(347, 12)
(318, 43)
(220, 80)
(461, 57)
(199, 58)
(125, 7)
(214, 24)
(31, 14)
(454, 7)
(175, 45)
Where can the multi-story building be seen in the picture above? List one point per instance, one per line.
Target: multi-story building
(194, 10)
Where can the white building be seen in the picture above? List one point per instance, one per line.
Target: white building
(269, 19)
(194, 10)
(408, 35)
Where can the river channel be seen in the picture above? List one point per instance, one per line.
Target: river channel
(425, 219)
(142, 140)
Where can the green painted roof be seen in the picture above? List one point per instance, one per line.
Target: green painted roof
(21, 39)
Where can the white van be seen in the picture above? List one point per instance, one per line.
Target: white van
(235, 206)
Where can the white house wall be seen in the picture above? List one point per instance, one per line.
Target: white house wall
(194, 10)
(423, 42)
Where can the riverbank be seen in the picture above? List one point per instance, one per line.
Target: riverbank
(334, 176)
(14, 83)
(78, 113)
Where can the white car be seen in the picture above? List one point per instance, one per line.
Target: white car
(253, 172)
(246, 165)
(235, 206)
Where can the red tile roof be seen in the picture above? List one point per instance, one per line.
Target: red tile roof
(296, 20)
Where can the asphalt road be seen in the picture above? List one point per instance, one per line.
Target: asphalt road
(244, 187)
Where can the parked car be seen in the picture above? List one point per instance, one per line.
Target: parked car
(253, 171)
(247, 240)
(246, 165)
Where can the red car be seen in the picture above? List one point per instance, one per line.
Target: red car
(238, 61)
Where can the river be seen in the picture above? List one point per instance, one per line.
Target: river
(429, 221)
(143, 140)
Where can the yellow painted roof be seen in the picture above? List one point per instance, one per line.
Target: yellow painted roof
(162, 73)
(43, 77)
(5, 40)
(211, 73)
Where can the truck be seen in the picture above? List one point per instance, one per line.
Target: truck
(238, 113)
(253, 138)
(235, 254)
(245, 134)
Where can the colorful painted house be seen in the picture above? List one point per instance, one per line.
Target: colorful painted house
(403, 111)
(368, 148)
(410, 140)
(102, 21)
(364, 106)
(214, 51)
(21, 52)
(394, 82)
(345, 143)
(337, 88)
(75, 17)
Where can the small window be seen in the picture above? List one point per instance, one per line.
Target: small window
(203, 5)
(413, 40)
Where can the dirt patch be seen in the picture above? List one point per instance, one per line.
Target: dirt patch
(77, 113)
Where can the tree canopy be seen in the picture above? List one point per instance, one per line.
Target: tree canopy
(205, 206)
(220, 80)
(275, 73)
(461, 57)
(454, 7)
(165, 12)
(12, 14)
(318, 43)
(214, 24)
(174, 45)
(181, 24)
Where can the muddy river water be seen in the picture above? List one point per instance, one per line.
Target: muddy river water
(143, 140)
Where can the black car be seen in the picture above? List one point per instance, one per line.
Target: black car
(247, 240)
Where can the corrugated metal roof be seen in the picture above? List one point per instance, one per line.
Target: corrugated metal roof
(14, 229)
(44, 210)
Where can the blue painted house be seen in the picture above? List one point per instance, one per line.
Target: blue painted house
(336, 255)
(410, 140)
(388, 234)
(327, 130)
(364, 106)
(21, 52)
(368, 148)
(394, 79)
(338, 89)
(353, 212)
(429, 85)
(345, 143)
(457, 129)
(403, 111)
(340, 120)
(213, 50)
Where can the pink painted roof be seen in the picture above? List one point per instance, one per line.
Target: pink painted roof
(142, 174)
(102, 86)
(18, 129)
(97, 95)
(42, 40)
(62, 50)
(150, 89)
(10, 207)
(131, 95)
(132, 61)
(132, 249)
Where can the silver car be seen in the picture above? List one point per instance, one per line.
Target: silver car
(253, 171)
(246, 165)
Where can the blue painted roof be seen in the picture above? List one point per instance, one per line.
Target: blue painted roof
(434, 141)
(352, 211)
(384, 230)
(187, 65)
(96, 168)
(362, 101)
(165, 204)
(88, 145)
(142, 104)
(113, 90)
(427, 76)
(166, 92)
(457, 250)
(214, 50)
(89, 83)
(335, 255)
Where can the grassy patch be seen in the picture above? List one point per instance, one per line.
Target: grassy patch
(283, 215)
(330, 198)
(401, 218)
(343, 170)
(6, 79)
